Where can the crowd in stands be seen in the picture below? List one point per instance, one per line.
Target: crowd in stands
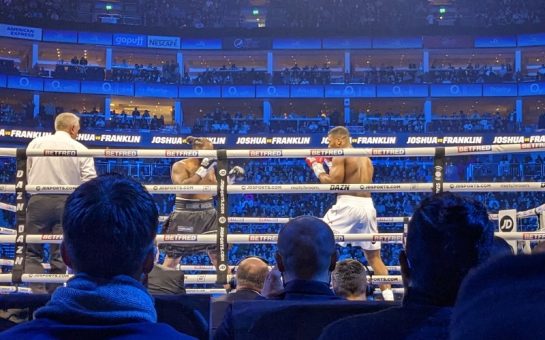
(475, 122)
(170, 73)
(222, 121)
(306, 75)
(337, 15)
(232, 75)
(389, 122)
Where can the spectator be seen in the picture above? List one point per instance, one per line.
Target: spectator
(250, 277)
(44, 211)
(349, 280)
(448, 235)
(108, 220)
(305, 258)
(166, 279)
(502, 300)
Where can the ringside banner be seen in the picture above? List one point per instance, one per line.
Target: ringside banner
(393, 142)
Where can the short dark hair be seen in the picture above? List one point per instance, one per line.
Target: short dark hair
(447, 236)
(350, 278)
(306, 244)
(109, 226)
(339, 131)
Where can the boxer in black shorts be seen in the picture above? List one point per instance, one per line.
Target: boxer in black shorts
(194, 213)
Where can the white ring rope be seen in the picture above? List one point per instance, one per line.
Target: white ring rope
(7, 231)
(306, 188)
(267, 238)
(188, 279)
(284, 153)
(13, 289)
(188, 267)
(282, 220)
(8, 207)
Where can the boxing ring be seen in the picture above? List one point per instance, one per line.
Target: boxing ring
(222, 238)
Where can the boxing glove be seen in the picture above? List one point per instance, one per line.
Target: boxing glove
(236, 175)
(207, 165)
(315, 163)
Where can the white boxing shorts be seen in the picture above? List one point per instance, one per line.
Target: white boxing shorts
(353, 215)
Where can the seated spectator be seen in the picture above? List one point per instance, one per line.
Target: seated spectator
(109, 227)
(448, 235)
(250, 277)
(306, 256)
(166, 278)
(349, 280)
(502, 300)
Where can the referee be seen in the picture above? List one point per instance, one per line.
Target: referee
(44, 211)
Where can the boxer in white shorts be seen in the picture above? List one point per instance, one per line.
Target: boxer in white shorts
(354, 211)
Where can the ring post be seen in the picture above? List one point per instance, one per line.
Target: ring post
(222, 216)
(438, 170)
(20, 217)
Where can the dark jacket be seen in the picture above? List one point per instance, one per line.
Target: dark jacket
(413, 320)
(502, 299)
(163, 280)
(293, 290)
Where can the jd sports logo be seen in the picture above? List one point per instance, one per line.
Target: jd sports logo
(506, 224)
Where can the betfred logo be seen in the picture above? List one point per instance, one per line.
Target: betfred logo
(474, 148)
(378, 152)
(327, 152)
(265, 153)
(181, 153)
(532, 146)
(387, 238)
(121, 153)
(339, 238)
(180, 237)
(51, 237)
(72, 153)
(262, 238)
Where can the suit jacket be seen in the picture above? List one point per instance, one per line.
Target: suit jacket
(163, 280)
(220, 304)
(293, 290)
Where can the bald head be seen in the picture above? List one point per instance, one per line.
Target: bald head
(251, 273)
(306, 249)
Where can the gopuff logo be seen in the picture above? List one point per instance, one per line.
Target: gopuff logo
(222, 220)
(222, 267)
(223, 172)
(506, 224)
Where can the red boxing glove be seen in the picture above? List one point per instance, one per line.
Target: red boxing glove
(315, 163)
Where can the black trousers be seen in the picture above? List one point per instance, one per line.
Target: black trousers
(43, 216)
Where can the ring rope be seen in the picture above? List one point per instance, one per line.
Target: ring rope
(283, 153)
(8, 207)
(305, 188)
(267, 238)
(188, 279)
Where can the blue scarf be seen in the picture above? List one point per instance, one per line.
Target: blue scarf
(91, 301)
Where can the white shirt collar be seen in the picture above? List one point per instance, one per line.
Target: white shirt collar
(63, 134)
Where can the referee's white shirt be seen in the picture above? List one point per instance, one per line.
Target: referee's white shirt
(59, 170)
